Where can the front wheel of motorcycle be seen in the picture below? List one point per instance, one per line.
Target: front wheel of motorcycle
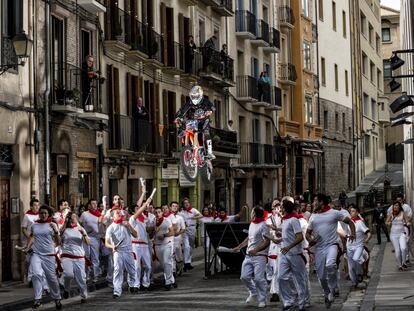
(206, 172)
(189, 168)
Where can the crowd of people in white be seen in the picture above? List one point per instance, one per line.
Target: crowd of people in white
(283, 246)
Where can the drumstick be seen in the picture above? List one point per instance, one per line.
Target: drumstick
(152, 194)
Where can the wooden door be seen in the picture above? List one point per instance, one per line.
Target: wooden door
(6, 249)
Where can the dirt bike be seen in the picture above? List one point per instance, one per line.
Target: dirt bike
(193, 154)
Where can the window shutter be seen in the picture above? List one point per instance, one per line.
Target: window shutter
(129, 99)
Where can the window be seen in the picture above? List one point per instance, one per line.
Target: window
(320, 9)
(256, 130)
(386, 35)
(363, 24)
(343, 124)
(344, 24)
(372, 71)
(346, 83)
(364, 63)
(387, 69)
(255, 67)
(377, 43)
(379, 79)
(336, 78)
(381, 137)
(349, 133)
(323, 71)
(325, 120)
(374, 112)
(305, 8)
(308, 109)
(334, 15)
(306, 55)
(58, 51)
(342, 162)
(336, 122)
(382, 106)
(12, 24)
(367, 140)
(370, 34)
(366, 104)
(86, 43)
(201, 31)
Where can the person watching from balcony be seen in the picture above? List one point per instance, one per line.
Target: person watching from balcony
(263, 81)
(189, 50)
(224, 59)
(230, 126)
(88, 75)
(209, 48)
(140, 112)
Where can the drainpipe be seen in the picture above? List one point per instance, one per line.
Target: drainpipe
(47, 101)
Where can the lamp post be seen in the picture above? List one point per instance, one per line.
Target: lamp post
(22, 46)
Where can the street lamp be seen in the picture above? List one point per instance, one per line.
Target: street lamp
(22, 46)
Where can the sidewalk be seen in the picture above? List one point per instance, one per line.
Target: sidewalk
(19, 296)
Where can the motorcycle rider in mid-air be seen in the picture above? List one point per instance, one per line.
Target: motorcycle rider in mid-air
(198, 109)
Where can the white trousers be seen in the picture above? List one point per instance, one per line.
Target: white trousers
(164, 254)
(399, 241)
(123, 261)
(292, 265)
(142, 265)
(92, 252)
(355, 261)
(74, 269)
(41, 267)
(188, 242)
(326, 268)
(253, 276)
(273, 275)
(178, 255)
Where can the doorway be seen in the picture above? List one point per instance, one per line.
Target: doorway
(6, 249)
(257, 188)
(312, 179)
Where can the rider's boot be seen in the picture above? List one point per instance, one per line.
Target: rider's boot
(210, 154)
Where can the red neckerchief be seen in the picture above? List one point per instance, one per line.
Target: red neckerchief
(116, 207)
(266, 214)
(146, 213)
(96, 212)
(119, 220)
(165, 215)
(300, 215)
(61, 220)
(159, 221)
(141, 218)
(258, 220)
(290, 215)
(30, 212)
(214, 214)
(188, 209)
(355, 218)
(395, 214)
(223, 218)
(72, 225)
(324, 209)
(48, 220)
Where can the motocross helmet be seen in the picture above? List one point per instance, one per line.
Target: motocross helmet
(196, 95)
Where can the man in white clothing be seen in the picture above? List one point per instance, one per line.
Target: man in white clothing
(163, 246)
(254, 264)
(178, 239)
(190, 215)
(118, 238)
(322, 232)
(91, 221)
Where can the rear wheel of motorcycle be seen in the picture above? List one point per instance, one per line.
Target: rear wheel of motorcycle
(189, 169)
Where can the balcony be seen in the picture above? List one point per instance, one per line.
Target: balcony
(117, 32)
(217, 68)
(246, 89)
(138, 40)
(222, 7)
(263, 34)
(224, 143)
(286, 17)
(259, 155)
(155, 49)
(276, 96)
(274, 46)
(93, 6)
(67, 95)
(246, 27)
(287, 73)
(174, 62)
(192, 65)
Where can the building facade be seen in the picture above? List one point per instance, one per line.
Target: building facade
(335, 94)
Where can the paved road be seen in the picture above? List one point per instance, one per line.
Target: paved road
(224, 292)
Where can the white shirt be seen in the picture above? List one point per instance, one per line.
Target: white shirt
(141, 228)
(397, 225)
(90, 224)
(188, 217)
(325, 226)
(204, 220)
(72, 241)
(304, 226)
(119, 236)
(164, 228)
(274, 249)
(360, 230)
(180, 226)
(290, 227)
(231, 218)
(43, 242)
(256, 232)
